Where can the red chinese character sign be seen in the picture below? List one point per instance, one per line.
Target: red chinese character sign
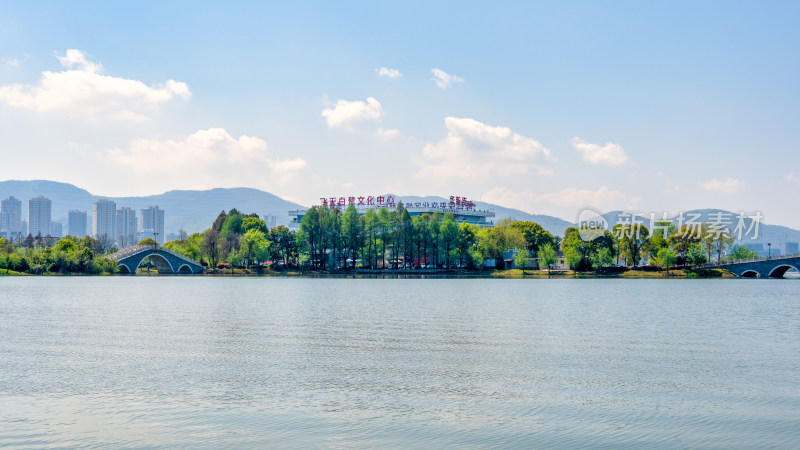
(455, 203)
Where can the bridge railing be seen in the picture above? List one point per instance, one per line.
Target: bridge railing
(125, 252)
(751, 260)
(178, 255)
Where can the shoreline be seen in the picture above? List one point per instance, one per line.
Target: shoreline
(677, 274)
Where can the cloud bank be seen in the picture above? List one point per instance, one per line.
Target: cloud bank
(389, 73)
(475, 151)
(82, 92)
(444, 80)
(212, 156)
(727, 186)
(611, 154)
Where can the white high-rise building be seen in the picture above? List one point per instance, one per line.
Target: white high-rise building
(39, 210)
(126, 227)
(76, 223)
(56, 228)
(10, 216)
(104, 219)
(153, 223)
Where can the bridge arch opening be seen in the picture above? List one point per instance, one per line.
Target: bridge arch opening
(185, 269)
(749, 274)
(161, 263)
(781, 270)
(123, 269)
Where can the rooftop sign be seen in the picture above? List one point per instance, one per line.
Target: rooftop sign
(388, 201)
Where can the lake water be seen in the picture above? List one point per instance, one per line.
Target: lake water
(416, 363)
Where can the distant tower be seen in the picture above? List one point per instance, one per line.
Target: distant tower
(126, 226)
(56, 228)
(76, 223)
(103, 220)
(153, 223)
(39, 209)
(11, 216)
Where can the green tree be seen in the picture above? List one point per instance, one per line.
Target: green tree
(577, 252)
(211, 246)
(351, 224)
(419, 227)
(254, 223)
(285, 242)
(602, 258)
(683, 239)
(384, 227)
(254, 247)
(219, 222)
(521, 259)
(665, 258)
(449, 235)
(740, 252)
(66, 245)
(535, 236)
(371, 229)
(311, 233)
(632, 240)
(547, 257)
(466, 240)
(148, 242)
(659, 238)
(434, 236)
(719, 240)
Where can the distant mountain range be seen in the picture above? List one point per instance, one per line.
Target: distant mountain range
(191, 210)
(195, 211)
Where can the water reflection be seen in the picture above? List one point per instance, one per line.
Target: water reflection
(208, 362)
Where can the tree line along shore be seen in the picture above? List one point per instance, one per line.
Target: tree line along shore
(330, 240)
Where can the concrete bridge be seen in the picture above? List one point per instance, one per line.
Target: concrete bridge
(763, 267)
(166, 261)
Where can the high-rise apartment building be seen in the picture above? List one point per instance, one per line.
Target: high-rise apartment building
(39, 211)
(76, 223)
(126, 227)
(10, 216)
(56, 228)
(104, 219)
(153, 223)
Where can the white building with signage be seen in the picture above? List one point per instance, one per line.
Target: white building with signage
(463, 210)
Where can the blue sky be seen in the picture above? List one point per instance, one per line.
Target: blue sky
(545, 107)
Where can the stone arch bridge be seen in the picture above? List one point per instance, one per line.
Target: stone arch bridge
(763, 268)
(166, 261)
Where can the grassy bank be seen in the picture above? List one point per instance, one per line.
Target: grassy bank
(632, 274)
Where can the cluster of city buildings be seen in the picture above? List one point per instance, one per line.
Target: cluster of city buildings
(118, 226)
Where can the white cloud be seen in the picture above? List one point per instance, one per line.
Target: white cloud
(475, 151)
(352, 116)
(564, 203)
(77, 59)
(387, 134)
(727, 186)
(444, 80)
(11, 62)
(212, 155)
(792, 179)
(608, 155)
(386, 72)
(671, 185)
(82, 92)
